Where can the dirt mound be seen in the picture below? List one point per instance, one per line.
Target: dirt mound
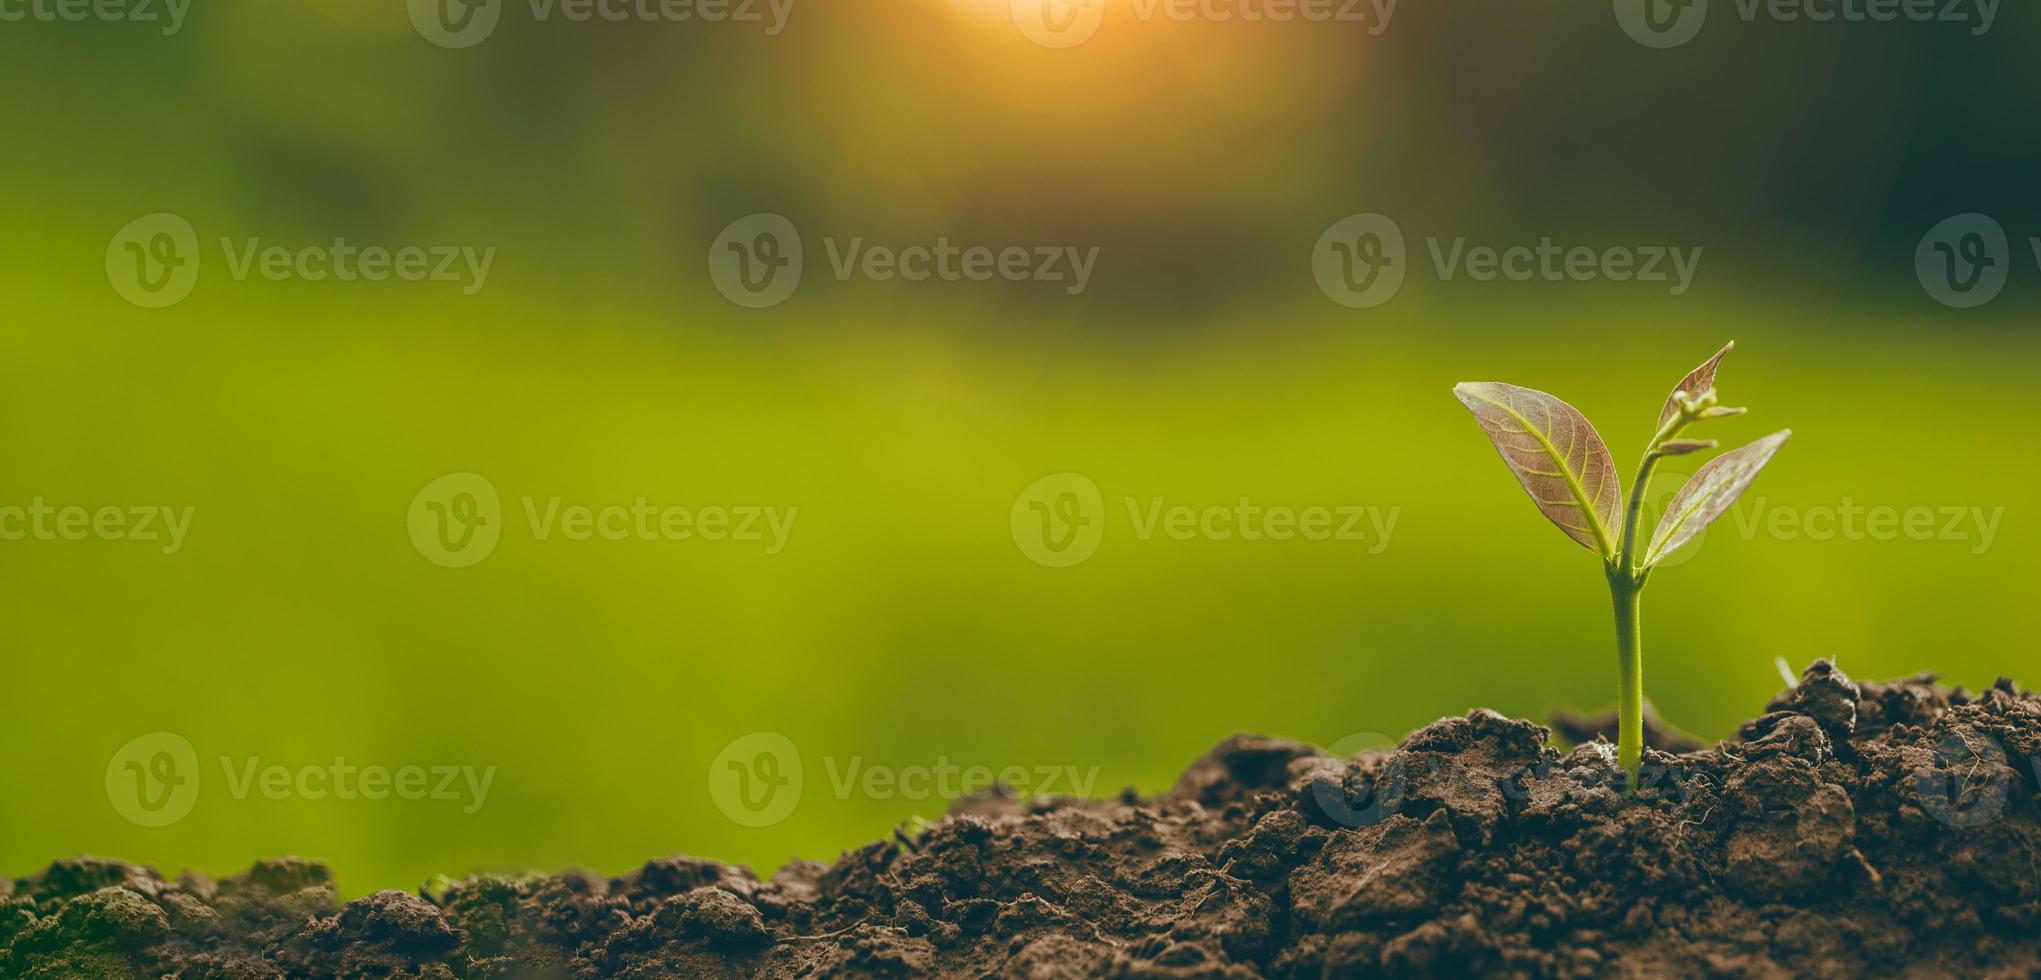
(1849, 831)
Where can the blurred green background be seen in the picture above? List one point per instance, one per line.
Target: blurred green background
(902, 626)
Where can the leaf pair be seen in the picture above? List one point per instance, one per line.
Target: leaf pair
(1566, 468)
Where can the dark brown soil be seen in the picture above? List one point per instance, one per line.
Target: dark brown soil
(1886, 830)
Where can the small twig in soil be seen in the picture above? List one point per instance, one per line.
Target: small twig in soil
(1865, 863)
(825, 935)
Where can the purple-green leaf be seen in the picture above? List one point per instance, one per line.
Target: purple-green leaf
(1709, 495)
(1557, 456)
(1698, 380)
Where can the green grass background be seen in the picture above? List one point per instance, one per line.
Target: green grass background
(902, 624)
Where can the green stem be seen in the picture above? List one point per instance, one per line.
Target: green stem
(1626, 588)
(1627, 558)
(1628, 594)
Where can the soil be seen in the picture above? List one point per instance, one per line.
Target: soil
(1849, 831)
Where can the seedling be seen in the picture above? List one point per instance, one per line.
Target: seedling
(1565, 467)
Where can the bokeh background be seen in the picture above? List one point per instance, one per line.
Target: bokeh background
(902, 625)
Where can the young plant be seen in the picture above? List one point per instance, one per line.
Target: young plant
(1567, 470)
